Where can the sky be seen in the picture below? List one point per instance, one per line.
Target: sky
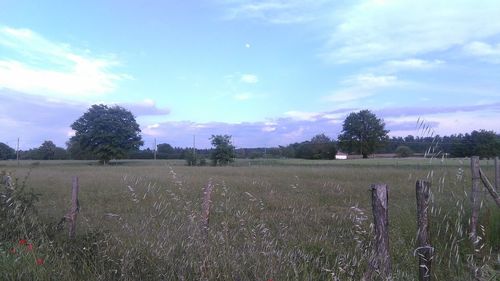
(267, 72)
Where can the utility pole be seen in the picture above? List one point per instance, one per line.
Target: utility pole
(155, 149)
(17, 151)
(194, 147)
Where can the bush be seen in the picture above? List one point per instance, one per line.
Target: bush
(18, 216)
(404, 151)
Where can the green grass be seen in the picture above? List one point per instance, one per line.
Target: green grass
(280, 219)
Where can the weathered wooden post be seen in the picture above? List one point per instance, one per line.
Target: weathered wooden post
(75, 207)
(497, 174)
(424, 249)
(381, 260)
(489, 187)
(476, 178)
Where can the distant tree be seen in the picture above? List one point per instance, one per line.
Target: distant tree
(165, 148)
(6, 152)
(223, 152)
(60, 153)
(47, 150)
(404, 151)
(323, 147)
(107, 132)
(362, 132)
(485, 144)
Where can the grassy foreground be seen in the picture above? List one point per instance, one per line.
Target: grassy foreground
(270, 219)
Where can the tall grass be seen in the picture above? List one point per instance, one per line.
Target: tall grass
(143, 221)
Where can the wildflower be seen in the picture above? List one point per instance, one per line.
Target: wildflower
(40, 261)
(23, 242)
(29, 246)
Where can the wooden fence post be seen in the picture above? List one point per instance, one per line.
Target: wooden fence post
(476, 178)
(489, 187)
(381, 260)
(424, 248)
(497, 174)
(75, 207)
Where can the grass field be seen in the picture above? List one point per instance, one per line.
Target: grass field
(270, 219)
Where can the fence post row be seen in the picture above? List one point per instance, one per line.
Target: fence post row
(381, 260)
(424, 248)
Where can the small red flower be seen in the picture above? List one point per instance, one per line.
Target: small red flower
(29, 246)
(40, 261)
(13, 250)
(269, 279)
(23, 242)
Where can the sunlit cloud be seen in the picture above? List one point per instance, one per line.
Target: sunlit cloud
(374, 31)
(302, 116)
(411, 64)
(484, 51)
(249, 78)
(361, 86)
(276, 11)
(39, 66)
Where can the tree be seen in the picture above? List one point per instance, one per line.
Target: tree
(362, 133)
(47, 150)
(223, 152)
(165, 148)
(404, 151)
(485, 144)
(323, 147)
(76, 152)
(107, 132)
(6, 152)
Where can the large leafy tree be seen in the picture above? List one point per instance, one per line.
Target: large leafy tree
(6, 152)
(224, 151)
(107, 132)
(47, 150)
(362, 133)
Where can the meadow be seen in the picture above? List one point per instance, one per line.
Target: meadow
(271, 219)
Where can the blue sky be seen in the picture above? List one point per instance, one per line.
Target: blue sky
(267, 72)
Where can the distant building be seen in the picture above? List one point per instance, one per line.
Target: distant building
(341, 156)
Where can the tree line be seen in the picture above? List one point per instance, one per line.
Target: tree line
(104, 133)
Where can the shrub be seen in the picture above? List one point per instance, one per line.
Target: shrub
(18, 216)
(404, 151)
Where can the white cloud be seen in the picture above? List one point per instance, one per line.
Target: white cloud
(268, 129)
(411, 64)
(371, 81)
(276, 11)
(302, 116)
(361, 86)
(249, 78)
(484, 51)
(380, 30)
(43, 67)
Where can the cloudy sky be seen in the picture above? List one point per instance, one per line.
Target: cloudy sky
(267, 72)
